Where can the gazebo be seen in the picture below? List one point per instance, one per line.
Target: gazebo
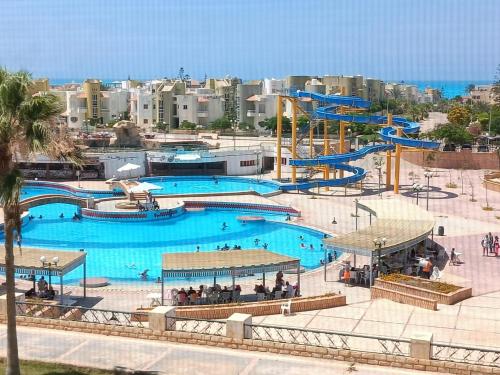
(225, 263)
(398, 226)
(33, 262)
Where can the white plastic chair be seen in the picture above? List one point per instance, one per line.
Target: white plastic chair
(286, 306)
(436, 274)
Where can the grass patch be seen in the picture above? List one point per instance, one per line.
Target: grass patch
(42, 368)
(434, 286)
(451, 185)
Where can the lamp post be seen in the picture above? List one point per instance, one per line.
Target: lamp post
(417, 188)
(325, 258)
(48, 265)
(378, 160)
(378, 242)
(428, 175)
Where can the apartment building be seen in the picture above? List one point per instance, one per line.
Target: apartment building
(482, 94)
(244, 108)
(201, 107)
(225, 88)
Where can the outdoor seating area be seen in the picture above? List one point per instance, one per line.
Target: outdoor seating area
(232, 264)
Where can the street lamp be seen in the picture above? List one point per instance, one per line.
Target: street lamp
(417, 188)
(378, 160)
(46, 264)
(428, 175)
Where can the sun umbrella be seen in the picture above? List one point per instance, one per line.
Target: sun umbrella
(144, 186)
(129, 167)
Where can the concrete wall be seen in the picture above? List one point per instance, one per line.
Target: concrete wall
(115, 160)
(453, 160)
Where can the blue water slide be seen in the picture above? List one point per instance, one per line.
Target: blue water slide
(388, 134)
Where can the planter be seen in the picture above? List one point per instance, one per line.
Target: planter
(443, 298)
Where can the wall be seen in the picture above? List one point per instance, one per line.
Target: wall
(113, 161)
(453, 160)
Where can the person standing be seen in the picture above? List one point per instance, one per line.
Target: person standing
(496, 245)
(490, 242)
(484, 244)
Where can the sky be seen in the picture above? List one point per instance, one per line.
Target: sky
(251, 39)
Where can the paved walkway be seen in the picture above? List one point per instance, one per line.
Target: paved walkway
(173, 359)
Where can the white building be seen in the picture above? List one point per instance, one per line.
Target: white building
(200, 107)
(273, 86)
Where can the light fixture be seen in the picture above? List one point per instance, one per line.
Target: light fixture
(55, 260)
(43, 259)
(334, 221)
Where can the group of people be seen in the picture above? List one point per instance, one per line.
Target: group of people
(287, 290)
(331, 257)
(44, 290)
(226, 247)
(192, 295)
(150, 202)
(490, 245)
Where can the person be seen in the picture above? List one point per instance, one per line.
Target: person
(301, 238)
(427, 269)
(279, 278)
(144, 274)
(334, 254)
(156, 206)
(256, 242)
(226, 247)
(51, 293)
(347, 275)
(302, 245)
(288, 217)
(191, 291)
(175, 184)
(224, 226)
(330, 257)
(322, 262)
(484, 244)
(216, 182)
(75, 217)
(19, 238)
(218, 248)
(42, 285)
(496, 245)
(200, 291)
(289, 290)
(158, 280)
(453, 257)
(30, 293)
(311, 246)
(265, 246)
(40, 217)
(61, 216)
(490, 242)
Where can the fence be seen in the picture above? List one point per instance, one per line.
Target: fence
(465, 354)
(82, 314)
(207, 327)
(331, 339)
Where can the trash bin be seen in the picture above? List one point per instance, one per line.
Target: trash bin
(441, 231)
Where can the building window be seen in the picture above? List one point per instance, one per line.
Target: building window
(184, 106)
(247, 163)
(283, 161)
(145, 106)
(145, 121)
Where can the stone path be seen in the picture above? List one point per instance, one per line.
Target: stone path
(175, 359)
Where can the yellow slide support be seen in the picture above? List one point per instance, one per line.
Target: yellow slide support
(279, 127)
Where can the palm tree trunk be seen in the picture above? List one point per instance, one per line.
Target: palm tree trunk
(12, 352)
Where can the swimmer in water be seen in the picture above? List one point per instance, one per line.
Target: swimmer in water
(224, 226)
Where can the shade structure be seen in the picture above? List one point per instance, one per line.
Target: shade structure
(128, 167)
(144, 186)
(225, 263)
(28, 261)
(398, 223)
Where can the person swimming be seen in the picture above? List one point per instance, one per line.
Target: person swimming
(265, 246)
(224, 226)
(144, 274)
(256, 242)
(61, 216)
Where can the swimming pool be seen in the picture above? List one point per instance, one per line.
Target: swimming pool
(210, 184)
(121, 250)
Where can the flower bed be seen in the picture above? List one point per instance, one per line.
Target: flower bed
(443, 293)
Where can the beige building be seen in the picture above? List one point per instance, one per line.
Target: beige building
(482, 94)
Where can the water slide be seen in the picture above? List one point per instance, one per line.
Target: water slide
(328, 111)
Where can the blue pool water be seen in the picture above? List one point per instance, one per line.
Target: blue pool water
(208, 184)
(32, 191)
(113, 247)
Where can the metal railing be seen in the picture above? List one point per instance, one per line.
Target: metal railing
(331, 339)
(466, 354)
(206, 327)
(82, 314)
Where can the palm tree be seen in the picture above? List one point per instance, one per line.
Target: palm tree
(395, 92)
(26, 127)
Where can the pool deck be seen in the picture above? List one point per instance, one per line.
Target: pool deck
(474, 321)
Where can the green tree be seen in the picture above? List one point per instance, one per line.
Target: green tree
(451, 133)
(459, 115)
(302, 121)
(161, 126)
(27, 126)
(395, 93)
(186, 125)
(470, 87)
(246, 126)
(271, 123)
(222, 123)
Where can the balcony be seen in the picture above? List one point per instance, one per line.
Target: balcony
(202, 113)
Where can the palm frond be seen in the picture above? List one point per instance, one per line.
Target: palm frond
(10, 188)
(13, 91)
(37, 136)
(40, 108)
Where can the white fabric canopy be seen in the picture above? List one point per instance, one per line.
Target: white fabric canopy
(144, 186)
(128, 167)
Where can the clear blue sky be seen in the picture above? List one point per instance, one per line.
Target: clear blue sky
(389, 39)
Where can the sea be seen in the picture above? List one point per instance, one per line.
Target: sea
(450, 89)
